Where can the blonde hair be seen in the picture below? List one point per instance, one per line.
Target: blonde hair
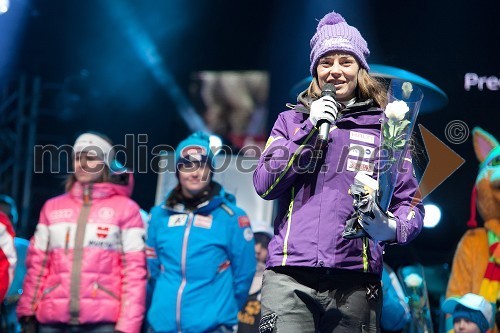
(368, 87)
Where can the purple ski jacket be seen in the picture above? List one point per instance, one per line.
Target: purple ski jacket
(314, 203)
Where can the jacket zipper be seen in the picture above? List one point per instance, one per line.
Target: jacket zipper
(97, 286)
(76, 270)
(289, 222)
(183, 271)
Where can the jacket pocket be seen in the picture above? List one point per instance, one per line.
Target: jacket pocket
(50, 289)
(97, 287)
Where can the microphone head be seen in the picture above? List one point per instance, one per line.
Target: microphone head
(329, 90)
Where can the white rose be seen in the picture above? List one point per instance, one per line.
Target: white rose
(396, 110)
(407, 89)
(413, 280)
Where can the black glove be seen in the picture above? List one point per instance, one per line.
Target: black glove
(379, 225)
(28, 324)
(353, 228)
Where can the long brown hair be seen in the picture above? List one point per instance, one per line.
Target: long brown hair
(368, 87)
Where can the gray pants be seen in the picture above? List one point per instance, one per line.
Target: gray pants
(312, 300)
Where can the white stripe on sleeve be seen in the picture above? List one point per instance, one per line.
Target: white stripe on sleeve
(133, 240)
(41, 237)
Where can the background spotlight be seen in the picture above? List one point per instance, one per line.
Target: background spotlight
(4, 6)
(432, 215)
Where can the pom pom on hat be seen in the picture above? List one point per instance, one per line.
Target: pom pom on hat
(329, 19)
(334, 34)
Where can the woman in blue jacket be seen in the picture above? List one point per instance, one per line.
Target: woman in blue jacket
(200, 250)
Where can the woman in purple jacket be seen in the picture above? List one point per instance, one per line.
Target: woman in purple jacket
(317, 280)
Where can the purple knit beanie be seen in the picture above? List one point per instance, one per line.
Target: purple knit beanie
(334, 34)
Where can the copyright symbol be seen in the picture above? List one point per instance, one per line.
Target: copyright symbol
(456, 131)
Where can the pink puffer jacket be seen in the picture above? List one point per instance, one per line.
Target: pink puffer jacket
(86, 262)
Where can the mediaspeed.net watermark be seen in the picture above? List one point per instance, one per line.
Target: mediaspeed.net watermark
(138, 157)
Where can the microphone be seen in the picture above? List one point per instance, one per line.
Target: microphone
(324, 125)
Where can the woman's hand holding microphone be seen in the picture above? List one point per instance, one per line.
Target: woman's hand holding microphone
(323, 110)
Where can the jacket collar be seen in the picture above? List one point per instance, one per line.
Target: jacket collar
(304, 101)
(207, 202)
(97, 190)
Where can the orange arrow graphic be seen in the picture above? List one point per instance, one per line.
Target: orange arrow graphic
(443, 162)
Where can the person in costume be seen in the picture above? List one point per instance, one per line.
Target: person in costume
(476, 263)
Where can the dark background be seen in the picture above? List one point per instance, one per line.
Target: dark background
(94, 79)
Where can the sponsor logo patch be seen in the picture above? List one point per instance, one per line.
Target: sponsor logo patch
(356, 165)
(61, 214)
(177, 220)
(203, 221)
(361, 151)
(248, 234)
(102, 244)
(357, 136)
(244, 222)
(106, 213)
(102, 232)
(150, 252)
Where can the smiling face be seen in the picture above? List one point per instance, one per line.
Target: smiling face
(194, 178)
(341, 70)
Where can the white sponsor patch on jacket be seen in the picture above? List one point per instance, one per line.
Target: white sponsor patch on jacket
(357, 136)
(203, 221)
(102, 235)
(61, 214)
(361, 151)
(357, 165)
(177, 220)
(248, 234)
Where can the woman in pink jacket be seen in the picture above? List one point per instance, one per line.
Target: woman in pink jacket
(86, 262)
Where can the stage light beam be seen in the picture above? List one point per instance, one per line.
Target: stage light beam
(4, 6)
(148, 53)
